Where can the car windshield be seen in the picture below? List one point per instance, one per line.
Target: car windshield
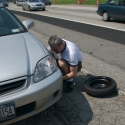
(9, 24)
(34, 1)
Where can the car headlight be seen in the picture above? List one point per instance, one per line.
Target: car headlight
(44, 68)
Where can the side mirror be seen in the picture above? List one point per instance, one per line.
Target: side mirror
(28, 24)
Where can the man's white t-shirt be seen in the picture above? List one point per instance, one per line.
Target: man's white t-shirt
(71, 53)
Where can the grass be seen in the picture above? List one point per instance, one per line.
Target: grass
(88, 2)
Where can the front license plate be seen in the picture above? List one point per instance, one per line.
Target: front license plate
(7, 111)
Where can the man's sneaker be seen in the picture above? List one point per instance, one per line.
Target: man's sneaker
(69, 87)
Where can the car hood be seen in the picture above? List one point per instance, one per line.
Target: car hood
(19, 55)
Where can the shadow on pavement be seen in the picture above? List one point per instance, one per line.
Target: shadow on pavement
(72, 109)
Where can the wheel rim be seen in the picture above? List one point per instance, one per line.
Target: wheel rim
(105, 16)
(99, 83)
(99, 86)
(29, 8)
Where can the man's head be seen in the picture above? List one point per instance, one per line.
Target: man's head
(56, 43)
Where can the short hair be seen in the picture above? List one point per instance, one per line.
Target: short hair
(54, 40)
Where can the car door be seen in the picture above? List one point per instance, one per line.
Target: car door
(122, 9)
(113, 8)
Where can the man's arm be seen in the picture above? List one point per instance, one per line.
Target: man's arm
(72, 73)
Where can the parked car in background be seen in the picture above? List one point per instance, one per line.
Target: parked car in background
(112, 9)
(19, 2)
(4, 3)
(46, 2)
(33, 5)
(30, 80)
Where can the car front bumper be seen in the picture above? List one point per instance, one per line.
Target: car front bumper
(37, 7)
(42, 95)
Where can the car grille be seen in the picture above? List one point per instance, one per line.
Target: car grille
(12, 86)
(25, 109)
(38, 4)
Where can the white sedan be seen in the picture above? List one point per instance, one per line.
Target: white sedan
(33, 5)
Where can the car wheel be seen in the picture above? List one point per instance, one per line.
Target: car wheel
(23, 8)
(105, 16)
(43, 9)
(100, 86)
(29, 8)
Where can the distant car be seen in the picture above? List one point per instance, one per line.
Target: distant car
(46, 2)
(19, 2)
(30, 80)
(4, 3)
(14, 1)
(33, 5)
(112, 9)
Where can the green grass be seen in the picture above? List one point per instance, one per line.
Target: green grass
(88, 2)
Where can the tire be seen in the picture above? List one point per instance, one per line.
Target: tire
(29, 8)
(43, 9)
(105, 16)
(23, 8)
(100, 86)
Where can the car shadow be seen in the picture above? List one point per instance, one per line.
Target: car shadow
(39, 10)
(71, 109)
(117, 21)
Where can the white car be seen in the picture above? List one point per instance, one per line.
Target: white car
(19, 2)
(30, 80)
(33, 5)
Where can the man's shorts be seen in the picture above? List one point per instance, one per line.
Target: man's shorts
(79, 64)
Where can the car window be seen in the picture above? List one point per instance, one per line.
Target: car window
(9, 24)
(114, 2)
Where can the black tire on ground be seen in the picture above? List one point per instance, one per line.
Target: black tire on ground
(100, 86)
(43, 9)
(105, 16)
